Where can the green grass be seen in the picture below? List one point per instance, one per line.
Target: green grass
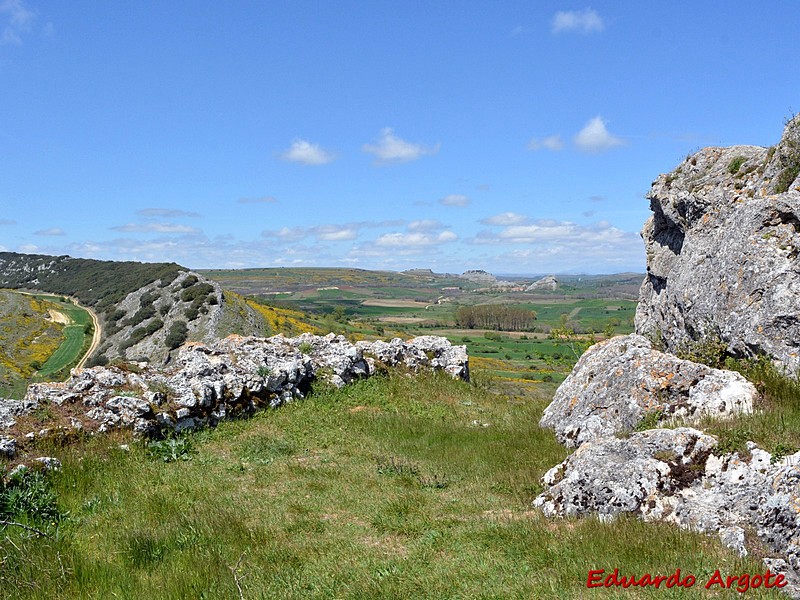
(385, 489)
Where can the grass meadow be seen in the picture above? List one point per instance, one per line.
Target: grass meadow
(394, 487)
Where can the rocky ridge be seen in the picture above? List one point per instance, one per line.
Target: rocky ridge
(722, 276)
(207, 383)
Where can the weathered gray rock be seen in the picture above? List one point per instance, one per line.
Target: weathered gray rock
(675, 476)
(545, 284)
(206, 383)
(423, 352)
(8, 446)
(11, 409)
(611, 475)
(722, 252)
(619, 381)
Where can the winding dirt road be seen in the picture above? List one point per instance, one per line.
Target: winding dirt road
(95, 336)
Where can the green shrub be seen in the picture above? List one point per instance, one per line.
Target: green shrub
(28, 495)
(177, 335)
(736, 164)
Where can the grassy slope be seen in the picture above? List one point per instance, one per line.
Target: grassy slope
(27, 339)
(391, 488)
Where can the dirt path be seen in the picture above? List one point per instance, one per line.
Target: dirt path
(95, 337)
(58, 317)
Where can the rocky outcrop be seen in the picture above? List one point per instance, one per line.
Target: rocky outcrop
(149, 322)
(616, 383)
(722, 248)
(545, 284)
(206, 383)
(677, 476)
(478, 276)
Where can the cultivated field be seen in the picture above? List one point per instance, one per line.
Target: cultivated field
(42, 337)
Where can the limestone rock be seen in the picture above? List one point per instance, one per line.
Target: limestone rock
(722, 250)
(9, 409)
(206, 383)
(545, 284)
(675, 476)
(619, 381)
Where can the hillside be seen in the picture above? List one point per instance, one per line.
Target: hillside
(145, 309)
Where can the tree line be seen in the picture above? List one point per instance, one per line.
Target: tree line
(500, 317)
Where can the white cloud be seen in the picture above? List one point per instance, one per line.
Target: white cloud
(28, 248)
(335, 233)
(287, 234)
(581, 21)
(392, 149)
(18, 19)
(168, 213)
(455, 200)
(594, 137)
(307, 153)
(155, 228)
(552, 142)
(506, 219)
(425, 225)
(414, 239)
(52, 231)
(262, 200)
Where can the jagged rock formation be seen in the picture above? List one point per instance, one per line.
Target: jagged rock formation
(722, 248)
(675, 475)
(545, 284)
(616, 383)
(205, 384)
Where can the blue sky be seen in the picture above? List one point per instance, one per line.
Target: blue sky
(516, 137)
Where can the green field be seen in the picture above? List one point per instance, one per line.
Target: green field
(77, 336)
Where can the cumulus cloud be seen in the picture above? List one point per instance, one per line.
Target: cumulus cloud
(307, 153)
(455, 200)
(580, 21)
(166, 213)
(414, 239)
(261, 200)
(392, 149)
(552, 142)
(505, 219)
(595, 137)
(17, 19)
(52, 231)
(155, 228)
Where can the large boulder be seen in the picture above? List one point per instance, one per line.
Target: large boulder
(722, 247)
(616, 383)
